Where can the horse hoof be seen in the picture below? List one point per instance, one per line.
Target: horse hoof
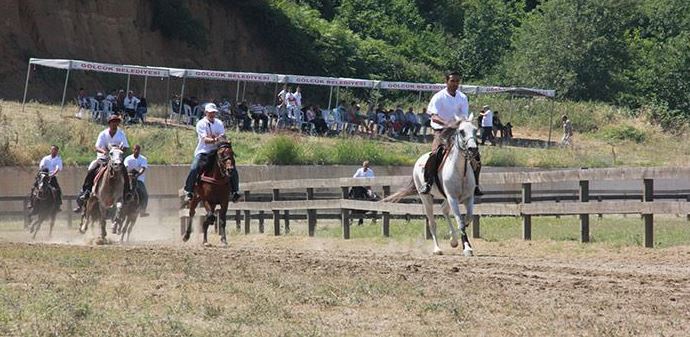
(100, 241)
(185, 237)
(454, 243)
(438, 252)
(468, 252)
(207, 244)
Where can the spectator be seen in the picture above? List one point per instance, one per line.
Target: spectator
(242, 117)
(424, 121)
(381, 120)
(298, 97)
(281, 95)
(498, 126)
(365, 172)
(260, 117)
(120, 101)
(142, 109)
(320, 120)
(83, 102)
(487, 125)
(371, 120)
(130, 104)
(567, 131)
(411, 122)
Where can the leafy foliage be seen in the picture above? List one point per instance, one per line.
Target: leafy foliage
(174, 19)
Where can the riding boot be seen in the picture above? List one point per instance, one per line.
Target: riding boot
(430, 170)
(234, 185)
(81, 200)
(476, 163)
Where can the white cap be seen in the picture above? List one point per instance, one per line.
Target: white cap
(211, 108)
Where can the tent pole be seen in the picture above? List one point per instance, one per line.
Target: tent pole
(275, 93)
(128, 77)
(179, 116)
(237, 94)
(26, 84)
(548, 144)
(146, 82)
(337, 96)
(167, 96)
(64, 90)
(330, 97)
(244, 89)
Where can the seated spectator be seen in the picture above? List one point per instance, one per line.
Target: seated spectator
(130, 104)
(411, 122)
(364, 172)
(371, 120)
(399, 121)
(260, 117)
(320, 120)
(381, 120)
(120, 101)
(498, 126)
(242, 117)
(83, 102)
(142, 109)
(112, 97)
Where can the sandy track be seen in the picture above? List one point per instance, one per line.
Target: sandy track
(510, 288)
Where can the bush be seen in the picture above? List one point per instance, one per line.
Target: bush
(623, 133)
(281, 150)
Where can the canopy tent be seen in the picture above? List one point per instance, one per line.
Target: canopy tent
(93, 66)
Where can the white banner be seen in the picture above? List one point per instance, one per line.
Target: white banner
(330, 81)
(120, 69)
(230, 75)
(59, 64)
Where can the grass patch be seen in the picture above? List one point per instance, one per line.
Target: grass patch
(617, 133)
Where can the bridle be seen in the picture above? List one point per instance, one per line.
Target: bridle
(224, 154)
(461, 141)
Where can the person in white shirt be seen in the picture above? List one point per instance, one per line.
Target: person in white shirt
(363, 172)
(292, 108)
(131, 103)
(444, 107)
(210, 132)
(138, 163)
(298, 97)
(281, 95)
(487, 125)
(52, 164)
(112, 136)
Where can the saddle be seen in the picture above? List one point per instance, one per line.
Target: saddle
(209, 175)
(97, 179)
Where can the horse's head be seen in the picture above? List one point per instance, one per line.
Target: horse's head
(42, 184)
(225, 158)
(115, 155)
(465, 133)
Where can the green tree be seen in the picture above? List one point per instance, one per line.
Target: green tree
(577, 47)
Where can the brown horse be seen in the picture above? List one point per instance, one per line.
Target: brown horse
(109, 188)
(127, 215)
(44, 202)
(213, 189)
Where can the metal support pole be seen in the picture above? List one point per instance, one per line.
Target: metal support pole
(129, 77)
(337, 96)
(64, 90)
(330, 97)
(244, 89)
(548, 143)
(26, 84)
(179, 116)
(237, 93)
(146, 83)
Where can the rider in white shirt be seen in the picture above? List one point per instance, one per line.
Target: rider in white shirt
(137, 162)
(112, 136)
(444, 107)
(52, 164)
(210, 132)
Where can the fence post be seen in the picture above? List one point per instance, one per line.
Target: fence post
(311, 213)
(276, 213)
(687, 217)
(584, 218)
(25, 212)
(261, 222)
(386, 223)
(648, 196)
(526, 219)
(287, 221)
(345, 216)
(247, 215)
(600, 215)
(69, 212)
(238, 219)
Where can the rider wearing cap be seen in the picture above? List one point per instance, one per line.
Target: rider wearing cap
(210, 132)
(112, 136)
(444, 107)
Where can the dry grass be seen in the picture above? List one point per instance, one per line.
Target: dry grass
(299, 286)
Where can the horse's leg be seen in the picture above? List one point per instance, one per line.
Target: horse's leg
(467, 247)
(210, 218)
(52, 223)
(190, 219)
(445, 208)
(222, 213)
(131, 220)
(428, 202)
(37, 225)
(125, 227)
(104, 232)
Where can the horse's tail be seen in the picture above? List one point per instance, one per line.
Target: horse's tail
(408, 190)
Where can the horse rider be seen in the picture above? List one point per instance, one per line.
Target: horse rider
(137, 162)
(108, 137)
(365, 172)
(210, 132)
(444, 107)
(52, 164)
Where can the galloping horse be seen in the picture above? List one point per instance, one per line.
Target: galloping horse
(44, 203)
(456, 184)
(213, 189)
(127, 215)
(108, 192)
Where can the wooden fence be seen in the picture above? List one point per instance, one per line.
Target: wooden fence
(308, 196)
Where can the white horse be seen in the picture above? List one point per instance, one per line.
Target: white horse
(457, 183)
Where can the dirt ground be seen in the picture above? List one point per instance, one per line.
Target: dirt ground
(299, 286)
